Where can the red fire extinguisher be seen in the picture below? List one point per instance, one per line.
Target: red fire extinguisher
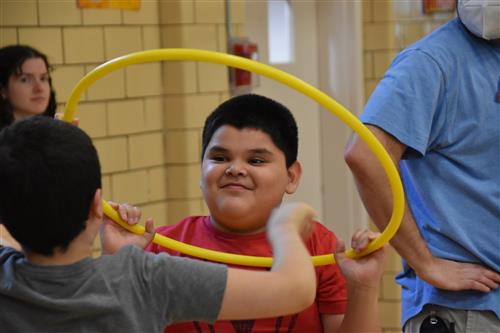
(242, 81)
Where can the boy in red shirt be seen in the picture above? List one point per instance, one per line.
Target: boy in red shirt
(249, 162)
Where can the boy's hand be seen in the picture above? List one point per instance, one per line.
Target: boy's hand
(362, 272)
(114, 237)
(294, 217)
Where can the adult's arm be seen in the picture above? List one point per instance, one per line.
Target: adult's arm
(289, 287)
(376, 195)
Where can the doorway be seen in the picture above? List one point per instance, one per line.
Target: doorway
(326, 53)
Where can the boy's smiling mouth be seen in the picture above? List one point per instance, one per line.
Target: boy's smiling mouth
(235, 186)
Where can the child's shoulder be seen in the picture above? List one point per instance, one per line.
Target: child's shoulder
(321, 229)
(322, 239)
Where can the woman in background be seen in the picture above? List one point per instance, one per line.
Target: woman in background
(25, 91)
(25, 84)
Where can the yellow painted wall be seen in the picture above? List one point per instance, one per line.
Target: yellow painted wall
(388, 27)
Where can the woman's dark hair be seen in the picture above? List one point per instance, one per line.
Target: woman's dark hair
(12, 59)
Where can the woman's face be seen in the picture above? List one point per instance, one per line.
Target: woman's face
(29, 91)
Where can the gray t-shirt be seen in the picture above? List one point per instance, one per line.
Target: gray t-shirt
(131, 291)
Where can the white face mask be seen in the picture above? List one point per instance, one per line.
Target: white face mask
(481, 17)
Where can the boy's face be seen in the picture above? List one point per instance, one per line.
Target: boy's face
(244, 177)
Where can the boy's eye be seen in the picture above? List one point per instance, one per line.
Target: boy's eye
(257, 161)
(217, 158)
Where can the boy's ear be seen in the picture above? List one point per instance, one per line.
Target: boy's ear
(294, 174)
(95, 211)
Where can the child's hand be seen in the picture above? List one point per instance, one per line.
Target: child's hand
(114, 237)
(128, 213)
(59, 116)
(362, 272)
(361, 239)
(295, 217)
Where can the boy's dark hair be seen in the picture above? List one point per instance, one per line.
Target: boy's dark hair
(49, 173)
(257, 112)
(12, 59)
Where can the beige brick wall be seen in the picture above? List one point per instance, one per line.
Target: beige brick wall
(388, 27)
(146, 119)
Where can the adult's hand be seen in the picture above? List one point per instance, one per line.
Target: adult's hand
(455, 276)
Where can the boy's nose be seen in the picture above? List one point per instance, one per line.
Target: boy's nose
(235, 170)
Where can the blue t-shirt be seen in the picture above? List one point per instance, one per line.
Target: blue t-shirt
(440, 98)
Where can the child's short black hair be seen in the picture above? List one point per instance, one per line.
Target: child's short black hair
(49, 173)
(257, 112)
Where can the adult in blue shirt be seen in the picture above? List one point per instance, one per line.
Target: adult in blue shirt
(437, 112)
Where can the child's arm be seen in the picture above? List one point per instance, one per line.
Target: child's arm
(363, 278)
(290, 286)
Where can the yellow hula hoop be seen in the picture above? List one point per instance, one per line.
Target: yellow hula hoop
(273, 73)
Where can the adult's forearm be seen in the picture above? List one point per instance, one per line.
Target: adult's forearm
(377, 197)
(378, 201)
(376, 194)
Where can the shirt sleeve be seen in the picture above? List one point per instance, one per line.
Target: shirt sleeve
(408, 102)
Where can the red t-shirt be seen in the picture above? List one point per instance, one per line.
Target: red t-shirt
(331, 295)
